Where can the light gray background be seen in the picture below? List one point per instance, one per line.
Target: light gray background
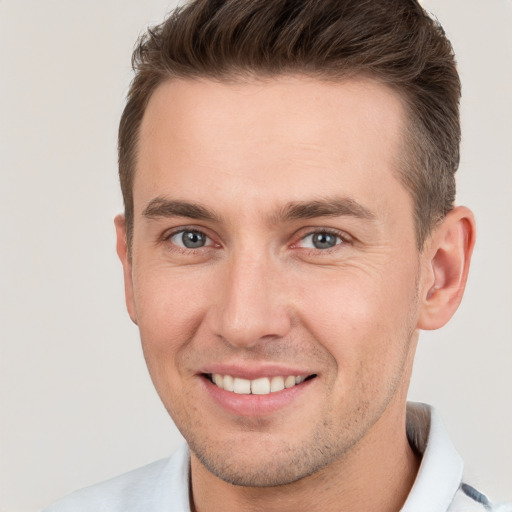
(76, 403)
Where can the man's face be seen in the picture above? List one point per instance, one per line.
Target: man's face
(273, 240)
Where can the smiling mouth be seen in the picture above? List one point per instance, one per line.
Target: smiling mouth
(260, 386)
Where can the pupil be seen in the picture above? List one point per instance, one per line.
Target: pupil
(324, 240)
(193, 239)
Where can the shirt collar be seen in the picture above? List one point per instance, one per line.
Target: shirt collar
(174, 482)
(440, 472)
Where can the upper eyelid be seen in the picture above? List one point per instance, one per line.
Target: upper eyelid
(167, 236)
(168, 233)
(343, 241)
(305, 232)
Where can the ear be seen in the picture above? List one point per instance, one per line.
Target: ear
(445, 268)
(126, 261)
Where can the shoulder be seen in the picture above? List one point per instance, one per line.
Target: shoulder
(147, 488)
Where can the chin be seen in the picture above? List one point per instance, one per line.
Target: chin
(267, 464)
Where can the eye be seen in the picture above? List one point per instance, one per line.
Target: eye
(320, 240)
(190, 239)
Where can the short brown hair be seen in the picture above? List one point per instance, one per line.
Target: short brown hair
(392, 41)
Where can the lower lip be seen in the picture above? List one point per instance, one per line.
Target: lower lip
(255, 405)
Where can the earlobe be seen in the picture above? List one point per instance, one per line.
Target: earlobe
(446, 268)
(124, 256)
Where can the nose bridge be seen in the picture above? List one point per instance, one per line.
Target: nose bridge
(252, 305)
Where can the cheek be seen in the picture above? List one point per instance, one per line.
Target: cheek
(170, 308)
(169, 312)
(363, 318)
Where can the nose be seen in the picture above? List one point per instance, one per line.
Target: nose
(252, 306)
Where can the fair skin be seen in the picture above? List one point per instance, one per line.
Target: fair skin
(273, 239)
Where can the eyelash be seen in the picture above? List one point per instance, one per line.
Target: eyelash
(343, 237)
(167, 236)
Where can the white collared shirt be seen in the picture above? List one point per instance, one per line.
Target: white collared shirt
(163, 486)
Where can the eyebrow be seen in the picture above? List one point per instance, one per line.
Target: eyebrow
(331, 207)
(162, 207)
(295, 210)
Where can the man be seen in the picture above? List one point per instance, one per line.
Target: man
(288, 171)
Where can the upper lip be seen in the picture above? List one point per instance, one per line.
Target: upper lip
(254, 371)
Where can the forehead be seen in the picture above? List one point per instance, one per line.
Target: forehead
(278, 139)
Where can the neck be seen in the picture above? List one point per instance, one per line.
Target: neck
(377, 474)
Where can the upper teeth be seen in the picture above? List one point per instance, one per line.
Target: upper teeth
(261, 386)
